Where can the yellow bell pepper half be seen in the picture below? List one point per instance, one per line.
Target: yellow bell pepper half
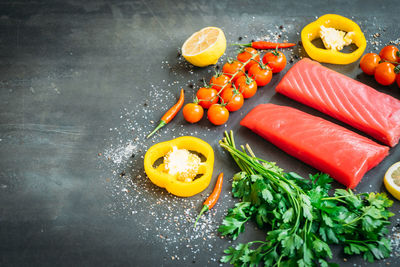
(312, 32)
(161, 178)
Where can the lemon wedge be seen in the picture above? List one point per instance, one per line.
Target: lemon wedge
(392, 180)
(204, 47)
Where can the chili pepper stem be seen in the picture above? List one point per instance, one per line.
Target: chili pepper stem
(245, 45)
(204, 209)
(160, 125)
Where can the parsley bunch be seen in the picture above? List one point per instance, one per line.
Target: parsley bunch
(300, 218)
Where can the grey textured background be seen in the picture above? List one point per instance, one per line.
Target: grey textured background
(69, 69)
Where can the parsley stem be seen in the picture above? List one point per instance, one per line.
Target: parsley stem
(257, 241)
(355, 220)
(338, 198)
(250, 150)
(359, 241)
(309, 228)
(333, 198)
(278, 263)
(250, 164)
(229, 140)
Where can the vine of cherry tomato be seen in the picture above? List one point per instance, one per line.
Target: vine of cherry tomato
(261, 73)
(233, 68)
(247, 86)
(231, 86)
(384, 67)
(207, 96)
(245, 54)
(276, 60)
(232, 98)
(219, 80)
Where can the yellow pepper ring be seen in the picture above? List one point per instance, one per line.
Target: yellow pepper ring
(311, 32)
(169, 182)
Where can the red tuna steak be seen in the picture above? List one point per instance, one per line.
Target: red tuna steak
(328, 147)
(343, 98)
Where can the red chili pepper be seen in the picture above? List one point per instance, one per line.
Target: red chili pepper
(267, 45)
(213, 198)
(170, 114)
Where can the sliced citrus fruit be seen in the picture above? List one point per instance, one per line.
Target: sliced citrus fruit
(204, 47)
(392, 180)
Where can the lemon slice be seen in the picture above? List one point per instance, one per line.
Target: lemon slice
(392, 180)
(204, 47)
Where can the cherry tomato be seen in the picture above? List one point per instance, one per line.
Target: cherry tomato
(219, 80)
(226, 95)
(234, 99)
(192, 112)
(262, 74)
(247, 53)
(247, 86)
(217, 114)
(231, 67)
(389, 53)
(398, 80)
(369, 62)
(384, 73)
(207, 96)
(276, 60)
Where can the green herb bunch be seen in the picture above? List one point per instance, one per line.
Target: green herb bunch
(300, 218)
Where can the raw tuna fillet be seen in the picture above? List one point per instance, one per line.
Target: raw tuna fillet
(345, 99)
(328, 147)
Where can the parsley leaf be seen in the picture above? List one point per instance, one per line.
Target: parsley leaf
(233, 223)
(300, 215)
(288, 215)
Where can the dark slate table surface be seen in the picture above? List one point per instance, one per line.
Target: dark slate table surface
(82, 83)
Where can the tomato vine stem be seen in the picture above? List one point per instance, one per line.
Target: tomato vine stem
(237, 72)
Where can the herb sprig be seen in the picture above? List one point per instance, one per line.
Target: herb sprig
(300, 218)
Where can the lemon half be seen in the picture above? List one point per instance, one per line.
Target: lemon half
(392, 180)
(204, 47)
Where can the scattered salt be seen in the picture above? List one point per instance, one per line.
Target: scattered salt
(395, 238)
(120, 153)
(134, 197)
